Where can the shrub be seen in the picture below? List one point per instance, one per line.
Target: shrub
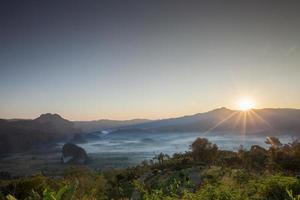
(213, 192)
(274, 187)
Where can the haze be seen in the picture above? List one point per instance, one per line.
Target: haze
(146, 59)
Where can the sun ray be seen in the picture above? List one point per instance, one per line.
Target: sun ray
(244, 131)
(238, 119)
(219, 123)
(264, 121)
(251, 118)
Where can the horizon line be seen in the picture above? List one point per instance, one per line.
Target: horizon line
(143, 118)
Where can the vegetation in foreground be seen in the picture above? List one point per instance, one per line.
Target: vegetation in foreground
(204, 172)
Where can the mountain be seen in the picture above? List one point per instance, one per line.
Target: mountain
(22, 135)
(104, 124)
(256, 121)
(57, 124)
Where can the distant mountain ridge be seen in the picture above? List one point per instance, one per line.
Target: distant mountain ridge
(273, 121)
(104, 124)
(22, 135)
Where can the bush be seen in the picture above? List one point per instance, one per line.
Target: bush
(274, 187)
(214, 192)
(91, 184)
(23, 188)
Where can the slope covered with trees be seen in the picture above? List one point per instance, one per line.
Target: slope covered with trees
(205, 172)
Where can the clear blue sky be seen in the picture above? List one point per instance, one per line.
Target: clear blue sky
(146, 59)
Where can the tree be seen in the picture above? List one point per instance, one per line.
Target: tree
(204, 151)
(257, 157)
(287, 156)
(273, 141)
(161, 158)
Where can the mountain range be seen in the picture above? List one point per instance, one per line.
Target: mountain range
(270, 121)
(21, 135)
(104, 124)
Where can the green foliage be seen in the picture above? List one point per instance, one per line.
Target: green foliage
(10, 197)
(214, 192)
(274, 187)
(291, 196)
(90, 184)
(241, 176)
(158, 193)
(120, 182)
(22, 188)
(65, 193)
(254, 174)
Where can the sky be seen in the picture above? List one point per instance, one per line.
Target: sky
(146, 59)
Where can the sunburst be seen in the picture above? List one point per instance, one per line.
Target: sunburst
(246, 113)
(246, 104)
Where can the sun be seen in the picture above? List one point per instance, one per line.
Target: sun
(245, 104)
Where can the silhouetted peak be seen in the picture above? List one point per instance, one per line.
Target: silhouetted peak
(222, 109)
(49, 117)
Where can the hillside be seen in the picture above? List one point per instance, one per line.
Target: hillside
(205, 172)
(257, 121)
(104, 124)
(22, 135)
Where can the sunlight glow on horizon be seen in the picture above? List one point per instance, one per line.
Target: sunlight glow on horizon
(245, 104)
